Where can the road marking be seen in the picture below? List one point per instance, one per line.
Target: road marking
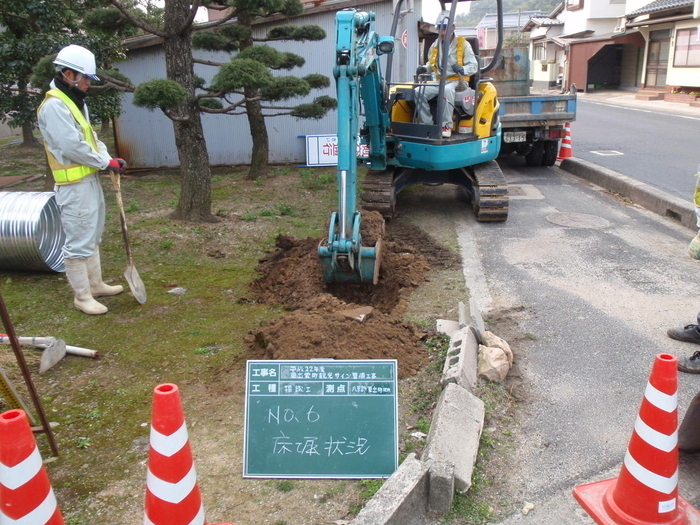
(607, 152)
(660, 111)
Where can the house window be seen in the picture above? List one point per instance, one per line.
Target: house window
(538, 53)
(687, 52)
(572, 5)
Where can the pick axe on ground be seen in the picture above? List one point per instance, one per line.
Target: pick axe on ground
(54, 349)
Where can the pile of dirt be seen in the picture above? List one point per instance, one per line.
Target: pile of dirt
(316, 326)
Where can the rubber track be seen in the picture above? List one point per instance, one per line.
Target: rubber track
(378, 192)
(490, 201)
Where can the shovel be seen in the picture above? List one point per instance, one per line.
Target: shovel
(54, 349)
(130, 274)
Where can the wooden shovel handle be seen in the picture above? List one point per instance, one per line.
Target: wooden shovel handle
(116, 183)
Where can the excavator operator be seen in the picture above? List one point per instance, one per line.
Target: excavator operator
(461, 62)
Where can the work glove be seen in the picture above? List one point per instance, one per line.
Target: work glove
(694, 247)
(422, 70)
(458, 69)
(117, 164)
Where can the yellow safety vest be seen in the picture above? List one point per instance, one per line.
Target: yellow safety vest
(69, 173)
(461, 41)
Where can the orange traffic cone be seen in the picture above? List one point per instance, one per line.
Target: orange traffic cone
(172, 493)
(26, 495)
(565, 150)
(646, 491)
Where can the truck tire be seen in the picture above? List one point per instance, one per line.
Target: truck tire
(534, 158)
(551, 151)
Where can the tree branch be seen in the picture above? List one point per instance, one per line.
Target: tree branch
(216, 23)
(228, 111)
(168, 113)
(207, 62)
(138, 22)
(114, 84)
(190, 19)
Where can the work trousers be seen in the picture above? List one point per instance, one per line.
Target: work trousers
(429, 91)
(82, 208)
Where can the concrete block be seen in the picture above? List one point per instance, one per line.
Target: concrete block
(447, 326)
(403, 498)
(469, 315)
(461, 360)
(455, 432)
(441, 486)
(477, 322)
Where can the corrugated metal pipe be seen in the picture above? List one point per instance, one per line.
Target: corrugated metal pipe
(31, 235)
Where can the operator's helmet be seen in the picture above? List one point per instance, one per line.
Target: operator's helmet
(443, 20)
(78, 59)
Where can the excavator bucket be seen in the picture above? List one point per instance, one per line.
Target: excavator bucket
(345, 260)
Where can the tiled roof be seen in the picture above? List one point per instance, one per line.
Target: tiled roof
(546, 21)
(509, 19)
(660, 5)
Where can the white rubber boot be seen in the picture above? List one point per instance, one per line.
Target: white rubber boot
(94, 269)
(77, 274)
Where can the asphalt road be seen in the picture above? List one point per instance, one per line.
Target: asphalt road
(659, 149)
(600, 281)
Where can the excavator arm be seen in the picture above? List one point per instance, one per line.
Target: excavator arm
(358, 76)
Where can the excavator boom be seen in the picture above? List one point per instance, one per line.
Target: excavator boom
(357, 74)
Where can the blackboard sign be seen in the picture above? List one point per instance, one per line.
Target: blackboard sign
(321, 419)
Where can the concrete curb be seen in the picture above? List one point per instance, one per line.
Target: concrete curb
(639, 193)
(421, 488)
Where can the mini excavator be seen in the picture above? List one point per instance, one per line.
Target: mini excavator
(403, 151)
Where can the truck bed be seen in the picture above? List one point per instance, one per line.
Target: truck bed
(535, 110)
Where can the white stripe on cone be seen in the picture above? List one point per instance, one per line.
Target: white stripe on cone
(198, 519)
(169, 445)
(653, 437)
(172, 492)
(662, 401)
(23, 472)
(651, 479)
(41, 514)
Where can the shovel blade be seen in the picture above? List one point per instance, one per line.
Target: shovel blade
(52, 354)
(135, 284)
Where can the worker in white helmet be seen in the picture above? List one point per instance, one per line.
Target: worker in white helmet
(461, 62)
(75, 156)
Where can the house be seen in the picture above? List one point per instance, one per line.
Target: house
(670, 68)
(618, 44)
(512, 23)
(579, 45)
(146, 139)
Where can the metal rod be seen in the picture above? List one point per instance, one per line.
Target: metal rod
(343, 203)
(10, 329)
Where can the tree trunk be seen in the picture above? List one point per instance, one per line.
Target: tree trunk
(104, 128)
(258, 131)
(195, 194)
(28, 138)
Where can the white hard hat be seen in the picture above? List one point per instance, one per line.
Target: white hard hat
(78, 59)
(443, 20)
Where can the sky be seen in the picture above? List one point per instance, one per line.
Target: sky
(431, 9)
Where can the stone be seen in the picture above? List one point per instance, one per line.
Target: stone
(357, 314)
(493, 364)
(493, 340)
